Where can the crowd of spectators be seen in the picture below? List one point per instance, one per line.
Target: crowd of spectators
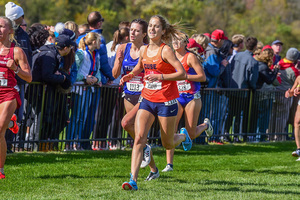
(79, 70)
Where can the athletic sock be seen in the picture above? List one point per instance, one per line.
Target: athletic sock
(2, 170)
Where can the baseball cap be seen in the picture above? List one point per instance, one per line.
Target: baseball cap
(63, 41)
(266, 47)
(277, 42)
(207, 34)
(193, 44)
(13, 11)
(218, 34)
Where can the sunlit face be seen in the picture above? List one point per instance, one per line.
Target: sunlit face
(136, 32)
(5, 30)
(155, 28)
(178, 44)
(277, 48)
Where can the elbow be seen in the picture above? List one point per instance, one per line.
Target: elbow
(29, 80)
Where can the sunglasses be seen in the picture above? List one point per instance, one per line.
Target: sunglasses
(24, 25)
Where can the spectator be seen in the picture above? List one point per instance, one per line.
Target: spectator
(263, 100)
(73, 27)
(95, 22)
(213, 58)
(212, 65)
(281, 107)
(86, 101)
(47, 67)
(202, 40)
(277, 48)
(244, 76)
(238, 45)
(15, 13)
(83, 29)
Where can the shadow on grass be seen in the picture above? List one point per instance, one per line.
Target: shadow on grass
(217, 150)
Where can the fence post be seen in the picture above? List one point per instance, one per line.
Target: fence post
(42, 114)
(249, 114)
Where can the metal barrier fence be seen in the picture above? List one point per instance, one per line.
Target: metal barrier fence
(87, 116)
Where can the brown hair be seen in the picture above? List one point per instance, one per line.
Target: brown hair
(172, 30)
(93, 18)
(71, 26)
(119, 36)
(266, 56)
(201, 39)
(237, 39)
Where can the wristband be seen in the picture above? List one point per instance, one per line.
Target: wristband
(298, 86)
(131, 73)
(17, 70)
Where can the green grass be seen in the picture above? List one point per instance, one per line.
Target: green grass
(240, 171)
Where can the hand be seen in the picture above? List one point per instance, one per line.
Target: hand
(89, 80)
(11, 65)
(126, 78)
(296, 91)
(57, 73)
(287, 93)
(224, 62)
(278, 74)
(152, 77)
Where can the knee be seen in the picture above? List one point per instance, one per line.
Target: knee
(168, 145)
(139, 140)
(125, 123)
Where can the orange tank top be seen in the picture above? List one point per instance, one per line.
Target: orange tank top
(158, 91)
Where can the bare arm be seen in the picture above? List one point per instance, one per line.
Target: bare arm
(295, 89)
(116, 71)
(136, 70)
(193, 62)
(20, 65)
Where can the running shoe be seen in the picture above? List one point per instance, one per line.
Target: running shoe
(152, 175)
(296, 153)
(131, 185)
(2, 176)
(146, 158)
(15, 127)
(187, 144)
(298, 159)
(168, 168)
(210, 130)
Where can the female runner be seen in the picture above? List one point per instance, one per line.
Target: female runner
(12, 61)
(159, 94)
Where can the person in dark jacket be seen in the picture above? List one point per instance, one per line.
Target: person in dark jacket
(48, 63)
(15, 13)
(262, 106)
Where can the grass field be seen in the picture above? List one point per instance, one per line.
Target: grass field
(239, 171)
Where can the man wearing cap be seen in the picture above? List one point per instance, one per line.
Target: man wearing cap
(282, 106)
(46, 64)
(95, 22)
(15, 13)
(277, 48)
(213, 58)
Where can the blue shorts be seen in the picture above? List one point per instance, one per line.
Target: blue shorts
(185, 98)
(165, 109)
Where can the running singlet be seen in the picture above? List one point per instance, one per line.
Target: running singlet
(158, 91)
(7, 76)
(135, 85)
(8, 83)
(186, 86)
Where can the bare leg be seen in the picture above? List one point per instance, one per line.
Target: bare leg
(143, 123)
(7, 109)
(296, 127)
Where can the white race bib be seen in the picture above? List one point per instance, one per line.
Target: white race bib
(3, 82)
(134, 87)
(157, 85)
(183, 86)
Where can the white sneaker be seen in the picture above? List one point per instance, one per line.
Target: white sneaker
(152, 175)
(296, 153)
(210, 130)
(168, 168)
(298, 159)
(147, 158)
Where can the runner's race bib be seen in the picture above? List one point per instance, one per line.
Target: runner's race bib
(172, 102)
(134, 87)
(183, 86)
(157, 85)
(3, 82)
